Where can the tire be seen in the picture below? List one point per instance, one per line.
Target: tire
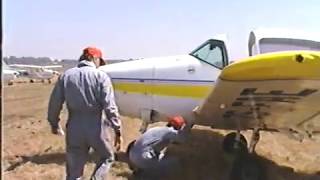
(130, 145)
(229, 141)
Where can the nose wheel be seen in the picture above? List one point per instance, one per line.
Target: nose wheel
(234, 142)
(246, 165)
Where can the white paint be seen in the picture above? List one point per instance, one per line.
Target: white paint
(187, 67)
(267, 40)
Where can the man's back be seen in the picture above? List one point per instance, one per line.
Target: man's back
(148, 154)
(82, 88)
(87, 91)
(156, 138)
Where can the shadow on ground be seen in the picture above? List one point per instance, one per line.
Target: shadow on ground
(50, 158)
(202, 158)
(56, 158)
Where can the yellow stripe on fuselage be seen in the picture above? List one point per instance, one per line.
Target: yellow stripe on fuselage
(186, 91)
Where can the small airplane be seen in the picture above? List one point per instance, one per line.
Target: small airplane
(35, 72)
(9, 74)
(276, 88)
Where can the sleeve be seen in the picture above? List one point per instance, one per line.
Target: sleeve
(178, 136)
(55, 103)
(109, 104)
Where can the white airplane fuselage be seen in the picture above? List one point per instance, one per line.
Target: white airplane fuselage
(160, 84)
(176, 85)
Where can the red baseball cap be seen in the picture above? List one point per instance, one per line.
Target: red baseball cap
(95, 52)
(176, 121)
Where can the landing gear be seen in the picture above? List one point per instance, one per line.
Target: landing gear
(31, 81)
(236, 142)
(146, 116)
(254, 140)
(232, 145)
(246, 165)
(128, 154)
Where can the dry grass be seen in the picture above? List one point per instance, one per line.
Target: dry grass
(31, 152)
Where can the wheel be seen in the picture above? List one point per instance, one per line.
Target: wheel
(127, 154)
(31, 81)
(229, 141)
(247, 167)
(130, 145)
(191, 125)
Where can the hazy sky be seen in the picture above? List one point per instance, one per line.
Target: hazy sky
(143, 28)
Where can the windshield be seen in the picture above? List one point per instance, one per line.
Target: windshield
(212, 53)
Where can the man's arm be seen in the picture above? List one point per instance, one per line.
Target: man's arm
(179, 136)
(55, 104)
(109, 105)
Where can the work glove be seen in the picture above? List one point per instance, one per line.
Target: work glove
(118, 142)
(57, 130)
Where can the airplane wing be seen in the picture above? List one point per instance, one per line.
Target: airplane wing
(277, 91)
(52, 66)
(24, 66)
(33, 66)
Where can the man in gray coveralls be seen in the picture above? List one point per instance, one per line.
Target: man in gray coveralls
(87, 92)
(147, 155)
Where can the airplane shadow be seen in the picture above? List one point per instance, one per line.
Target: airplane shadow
(202, 158)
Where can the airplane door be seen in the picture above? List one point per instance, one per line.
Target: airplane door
(133, 84)
(179, 86)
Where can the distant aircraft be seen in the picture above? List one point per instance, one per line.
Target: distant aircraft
(8, 74)
(277, 89)
(35, 72)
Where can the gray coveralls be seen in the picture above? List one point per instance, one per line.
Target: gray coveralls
(147, 152)
(87, 92)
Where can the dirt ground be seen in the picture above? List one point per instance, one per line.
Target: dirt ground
(30, 151)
